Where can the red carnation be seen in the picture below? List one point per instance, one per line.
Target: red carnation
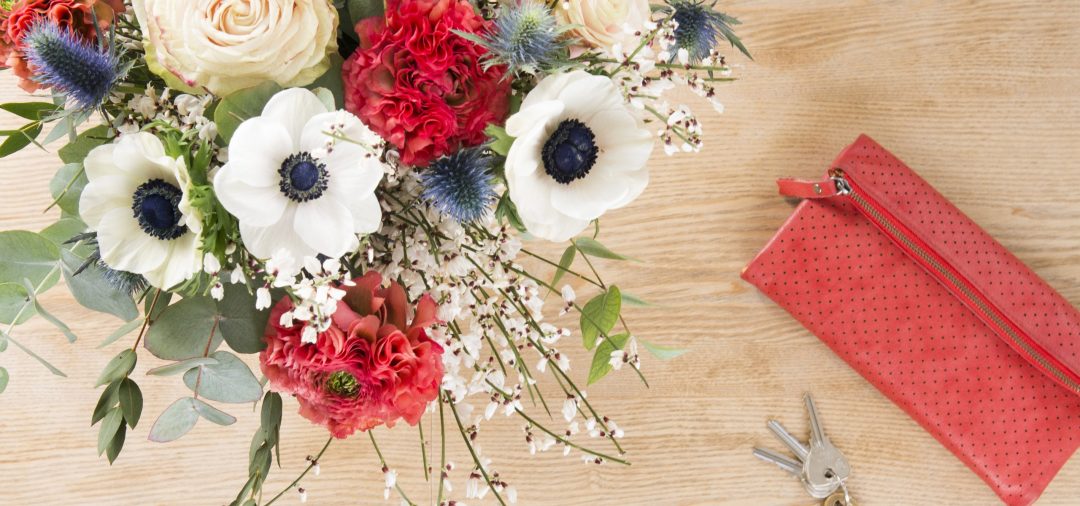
(419, 85)
(75, 15)
(368, 369)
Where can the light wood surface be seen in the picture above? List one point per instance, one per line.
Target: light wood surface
(982, 98)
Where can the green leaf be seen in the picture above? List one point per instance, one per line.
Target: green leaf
(229, 380)
(176, 421)
(593, 248)
(47, 316)
(124, 330)
(92, 291)
(631, 300)
(118, 368)
(505, 211)
(600, 315)
(3, 379)
(241, 325)
(181, 366)
(13, 299)
(109, 398)
(20, 139)
(601, 362)
(26, 255)
(32, 355)
(500, 140)
(564, 263)
(213, 414)
(363, 9)
(76, 152)
(63, 230)
(661, 352)
(241, 106)
(33, 111)
(67, 186)
(116, 444)
(109, 425)
(131, 401)
(332, 83)
(186, 330)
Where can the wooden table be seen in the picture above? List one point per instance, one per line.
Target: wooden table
(983, 98)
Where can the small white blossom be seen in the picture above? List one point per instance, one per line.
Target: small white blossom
(262, 298)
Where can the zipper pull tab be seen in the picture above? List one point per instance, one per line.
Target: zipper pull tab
(831, 187)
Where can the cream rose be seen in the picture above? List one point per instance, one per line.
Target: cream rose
(605, 23)
(226, 45)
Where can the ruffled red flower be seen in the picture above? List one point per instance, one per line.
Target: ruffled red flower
(75, 15)
(370, 368)
(421, 86)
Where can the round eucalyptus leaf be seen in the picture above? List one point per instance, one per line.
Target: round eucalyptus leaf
(176, 421)
(92, 291)
(26, 255)
(213, 414)
(13, 299)
(241, 324)
(185, 330)
(229, 380)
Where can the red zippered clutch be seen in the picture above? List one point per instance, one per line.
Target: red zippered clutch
(935, 313)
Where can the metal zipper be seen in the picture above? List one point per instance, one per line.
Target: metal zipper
(955, 281)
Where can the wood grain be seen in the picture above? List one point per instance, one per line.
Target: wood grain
(982, 98)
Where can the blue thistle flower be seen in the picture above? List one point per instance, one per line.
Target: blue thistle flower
(525, 37)
(701, 28)
(461, 185)
(70, 65)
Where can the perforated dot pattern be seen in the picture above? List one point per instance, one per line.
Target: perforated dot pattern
(911, 338)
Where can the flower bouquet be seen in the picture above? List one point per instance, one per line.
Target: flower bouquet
(346, 189)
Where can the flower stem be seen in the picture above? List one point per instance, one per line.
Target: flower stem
(146, 319)
(378, 452)
(306, 470)
(476, 458)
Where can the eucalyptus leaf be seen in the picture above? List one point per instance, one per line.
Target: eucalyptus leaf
(109, 398)
(181, 366)
(176, 421)
(63, 230)
(600, 315)
(229, 380)
(118, 368)
(116, 444)
(26, 255)
(131, 401)
(240, 324)
(213, 414)
(93, 291)
(124, 330)
(14, 300)
(76, 152)
(47, 316)
(601, 362)
(242, 105)
(67, 186)
(185, 330)
(662, 352)
(32, 355)
(3, 379)
(109, 425)
(592, 247)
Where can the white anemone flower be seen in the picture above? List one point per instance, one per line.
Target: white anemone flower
(137, 201)
(579, 151)
(293, 186)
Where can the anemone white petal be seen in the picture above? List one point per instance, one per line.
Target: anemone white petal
(326, 226)
(292, 109)
(258, 206)
(264, 241)
(260, 145)
(124, 245)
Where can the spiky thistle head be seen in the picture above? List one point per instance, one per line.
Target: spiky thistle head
(71, 65)
(461, 185)
(524, 36)
(701, 28)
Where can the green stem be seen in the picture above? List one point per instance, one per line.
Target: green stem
(306, 470)
(378, 452)
(475, 457)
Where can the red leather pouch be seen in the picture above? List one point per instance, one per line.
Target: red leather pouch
(935, 313)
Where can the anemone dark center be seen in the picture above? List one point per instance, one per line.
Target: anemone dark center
(343, 384)
(570, 153)
(156, 206)
(302, 177)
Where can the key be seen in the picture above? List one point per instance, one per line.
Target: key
(824, 468)
(792, 467)
(785, 437)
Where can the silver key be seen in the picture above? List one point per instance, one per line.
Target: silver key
(785, 437)
(824, 467)
(792, 467)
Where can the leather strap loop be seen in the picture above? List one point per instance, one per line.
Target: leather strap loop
(807, 189)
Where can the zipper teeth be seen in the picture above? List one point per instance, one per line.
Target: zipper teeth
(968, 292)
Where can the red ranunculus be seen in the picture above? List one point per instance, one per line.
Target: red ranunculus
(421, 86)
(75, 15)
(370, 368)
